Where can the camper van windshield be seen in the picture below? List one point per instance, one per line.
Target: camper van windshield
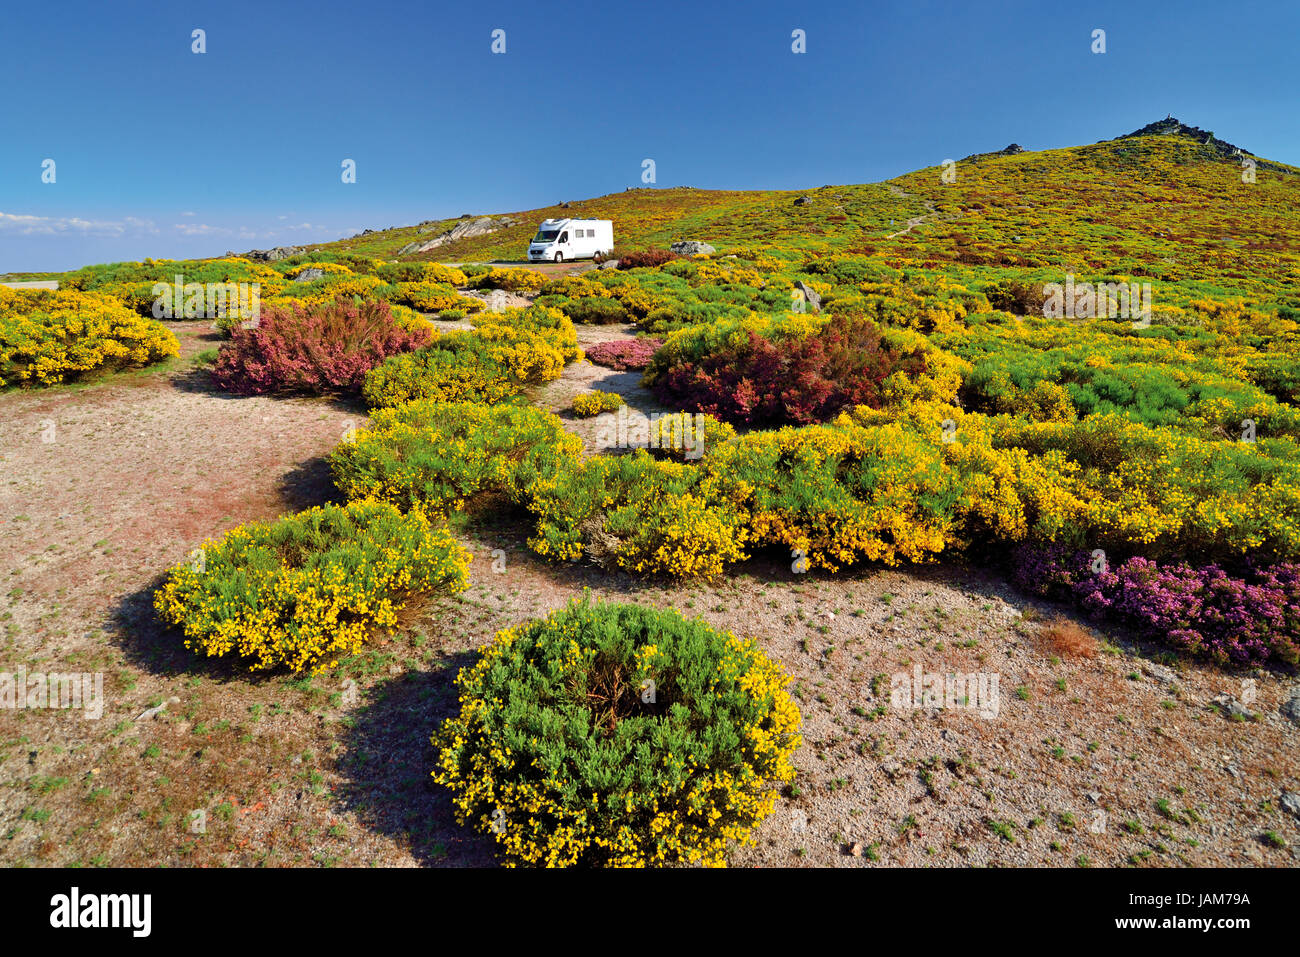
(545, 235)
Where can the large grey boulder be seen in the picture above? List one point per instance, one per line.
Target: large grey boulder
(272, 255)
(810, 295)
(464, 229)
(692, 247)
(309, 275)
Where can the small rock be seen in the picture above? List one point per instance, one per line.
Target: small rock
(1291, 706)
(154, 712)
(1159, 672)
(855, 849)
(1094, 797)
(1232, 708)
(892, 770)
(801, 201)
(1290, 802)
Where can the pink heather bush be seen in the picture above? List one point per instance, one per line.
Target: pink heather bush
(1248, 617)
(321, 349)
(624, 354)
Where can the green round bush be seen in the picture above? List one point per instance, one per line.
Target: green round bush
(594, 310)
(305, 590)
(436, 455)
(618, 735)
(449, 375)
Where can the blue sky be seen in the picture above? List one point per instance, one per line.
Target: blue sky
(163, 152)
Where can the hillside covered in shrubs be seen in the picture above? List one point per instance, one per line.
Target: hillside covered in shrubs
(855, 391)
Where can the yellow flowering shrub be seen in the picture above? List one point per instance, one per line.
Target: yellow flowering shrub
(610, 735)
(511, 280)
(573, 287)
(433, 297)
(402, 272)
(48, 337)
(332, 287)
(435, 455)
(305, 590)
(588, 404)
(643, 515)
(704, 272)
(696, 341)
(1111, 483)
(505, 351)
(447, 374)
(637, 301)
(842, 494)
(534, 342)
(684, 437)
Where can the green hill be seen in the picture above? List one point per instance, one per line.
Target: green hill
(1170, 208)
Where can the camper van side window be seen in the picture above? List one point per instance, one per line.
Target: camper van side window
(564, 237)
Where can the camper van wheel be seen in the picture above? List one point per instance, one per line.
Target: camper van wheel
(559, 257)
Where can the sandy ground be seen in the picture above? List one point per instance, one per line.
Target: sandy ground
(1112, 759)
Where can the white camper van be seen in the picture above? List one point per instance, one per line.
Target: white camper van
(561, 239)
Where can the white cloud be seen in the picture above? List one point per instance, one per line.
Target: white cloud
(201, 229)
(28, 225)
(24, 224)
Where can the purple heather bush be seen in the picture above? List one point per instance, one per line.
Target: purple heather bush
(624, 354)
(1244, 617)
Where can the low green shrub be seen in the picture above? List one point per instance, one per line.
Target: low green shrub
(618, 735)
(595, 310)
(645, 516)
(307, 589)
(436, 455)
(436, 372)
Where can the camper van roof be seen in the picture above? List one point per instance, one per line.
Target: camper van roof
(560, 222)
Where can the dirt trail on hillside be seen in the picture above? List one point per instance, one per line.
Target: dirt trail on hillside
(597, 433)
(932, 212)
(915, 220)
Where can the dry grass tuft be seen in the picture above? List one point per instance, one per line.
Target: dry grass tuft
(1068, 639)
